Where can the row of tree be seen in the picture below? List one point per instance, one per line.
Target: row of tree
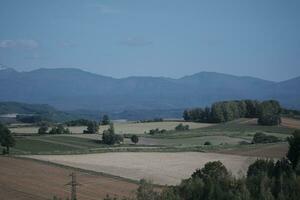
(268, 112)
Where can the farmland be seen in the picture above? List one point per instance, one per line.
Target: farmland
(228, 135)
(162, 168)
(120, 128)
(165, 158)
(22, 179)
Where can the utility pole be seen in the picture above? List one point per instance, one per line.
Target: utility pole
(73, 184)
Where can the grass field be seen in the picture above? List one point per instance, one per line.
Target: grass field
(23, 179)
(162, 168)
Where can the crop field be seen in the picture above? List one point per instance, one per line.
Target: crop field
(23, 179)
(162, 168)
(291, 123)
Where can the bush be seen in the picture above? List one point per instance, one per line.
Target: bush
(92, 127)
(263, 138)
(134, 139)
(207, 143)
(105, 120)
(110, 138)
(43, 130)
(157, 131)
(59, 130)
(294, 150)
(181, 127)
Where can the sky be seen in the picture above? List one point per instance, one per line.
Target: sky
(170, 38)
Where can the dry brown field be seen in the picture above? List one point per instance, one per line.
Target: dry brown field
(161, 168)
(23, 179)
(291, 123)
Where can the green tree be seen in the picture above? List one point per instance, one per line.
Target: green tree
(134, 139)
(146, 191)
(6, 138)
(269, 113)
(294, 149)
(43, 130)
(105, 120)
(109, 137)
(92, 127)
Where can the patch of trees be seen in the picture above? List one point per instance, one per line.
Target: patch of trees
(29, 118)
(6, 139)
(43, 129)
(60, 129)
(151, 120)
(110, 138)
(263, 138)
(157, 131)
(267, 112)
(92, 127)
(265, 180)
(181, 127)
(78, 122)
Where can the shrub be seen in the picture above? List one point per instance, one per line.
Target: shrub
(43, 130)
(59, 130)
(207, 143)
(181, 127)
(157, 131)
(134, 139)
(109, 137)
(263, 138)
(92, 127)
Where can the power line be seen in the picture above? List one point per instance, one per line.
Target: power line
(73, 184)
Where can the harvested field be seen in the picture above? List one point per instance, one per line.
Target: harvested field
(162, 168)
(264, 150)
(291, 123)
(22, 179)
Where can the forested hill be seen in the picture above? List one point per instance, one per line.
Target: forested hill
(71, 89)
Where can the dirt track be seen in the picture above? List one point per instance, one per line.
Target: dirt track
(31, 180)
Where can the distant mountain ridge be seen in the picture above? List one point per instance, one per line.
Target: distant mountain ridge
(71, 89)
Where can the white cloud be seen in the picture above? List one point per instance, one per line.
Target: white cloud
(28, 44)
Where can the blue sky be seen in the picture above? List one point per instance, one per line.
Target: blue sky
(170, 38)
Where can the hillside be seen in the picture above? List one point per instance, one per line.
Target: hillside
(72, 89)
(43, 110)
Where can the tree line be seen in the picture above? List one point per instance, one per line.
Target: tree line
(268, 112)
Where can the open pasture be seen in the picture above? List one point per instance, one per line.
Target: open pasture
(162, 168)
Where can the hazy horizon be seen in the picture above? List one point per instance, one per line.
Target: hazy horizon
(141, 38)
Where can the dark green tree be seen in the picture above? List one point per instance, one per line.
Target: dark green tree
(92, 127)
(134, 139)
(6, 138)
(105, 120)
(43, 129)
(109, 137)
(294, 148)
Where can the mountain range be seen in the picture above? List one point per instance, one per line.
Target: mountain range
(74, 89)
